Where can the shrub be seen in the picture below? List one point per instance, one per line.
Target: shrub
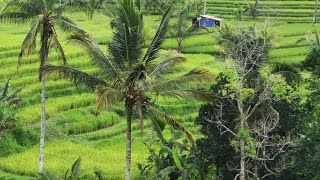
(17, 139)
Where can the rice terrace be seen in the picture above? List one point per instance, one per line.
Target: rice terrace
(159, 89)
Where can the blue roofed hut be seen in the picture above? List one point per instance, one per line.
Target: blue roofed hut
(206, 21)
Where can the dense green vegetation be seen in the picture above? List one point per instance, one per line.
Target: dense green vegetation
(76, 129)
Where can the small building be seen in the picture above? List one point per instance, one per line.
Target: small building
(206, 21)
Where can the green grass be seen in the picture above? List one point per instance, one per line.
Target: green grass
(108, 156)
(100, 140)
(84, 120)
(8, 176)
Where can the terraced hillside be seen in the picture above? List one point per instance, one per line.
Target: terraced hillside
(290, 11)
(73, 130)
(99, 140)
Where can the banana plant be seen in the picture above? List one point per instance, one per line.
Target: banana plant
(7, 109)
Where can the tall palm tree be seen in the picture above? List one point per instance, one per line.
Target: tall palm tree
(45, 14)
(126, 75)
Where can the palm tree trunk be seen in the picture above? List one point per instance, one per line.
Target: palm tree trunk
(43, 118)
(179, 48)
(140, 113)
(315, 12)
(129, 107)
(44, 57)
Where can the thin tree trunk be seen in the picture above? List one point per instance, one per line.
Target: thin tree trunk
(242, 127)
(44, 51)
(257, 9)
(179, 49)
(242, 159)
(129, 107)
(43, 118)
(140, 113)
(256, 170)
(315, 12)
(205, 7)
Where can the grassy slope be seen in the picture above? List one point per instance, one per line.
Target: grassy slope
(105, 148)
(105, 152)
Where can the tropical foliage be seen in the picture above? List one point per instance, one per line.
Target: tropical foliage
(261, 121)
(128, 76)
(8, 101)
(44, 15)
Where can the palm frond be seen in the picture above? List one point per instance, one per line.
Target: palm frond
(56, 44)
(5, 90)
(20, 11)
(303, 39)
(157, 41)
(139, 110)
(87, 6)
(156, 128)
(127, 41)
(180, 25)
(69, 5)
(291, 75)
(75, 168)
(194, 75)
(166, 171)
(111, 10)
(29, 42)
(98, 174)
(157, 114)
(13, 94)
(68, 25)
(166, 65)
(126, 45)
(97, 56)
(47, 175)
(15, 17)
(192, 30)
(107, 96)
(76, 76)
(189, 94)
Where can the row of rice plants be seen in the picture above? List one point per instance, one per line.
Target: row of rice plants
(288, 30)
(296, 51)
(206, 49)
(109, 157)
(62, 92)
(32, 78)
(30, 64)
(9, 47)
(195, 40)
(290, 42)
(31, 114)
(8, 176)
(289, 59)
(84, 120)
(113, 131)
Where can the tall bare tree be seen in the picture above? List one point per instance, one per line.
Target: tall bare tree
(248, 50)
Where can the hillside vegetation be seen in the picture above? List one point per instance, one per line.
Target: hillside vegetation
(75, 130)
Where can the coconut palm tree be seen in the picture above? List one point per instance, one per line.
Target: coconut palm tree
(127, 75)
(181, 28)
(45, 14)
